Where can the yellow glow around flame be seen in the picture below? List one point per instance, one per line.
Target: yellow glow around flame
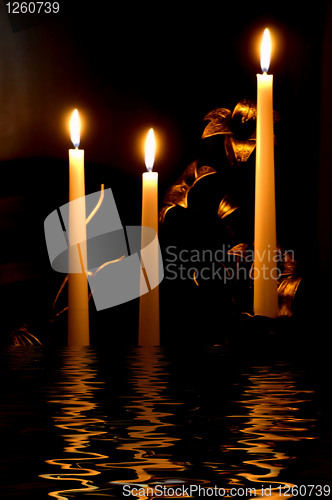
(75, 128)
(266, 51)
(150, 149)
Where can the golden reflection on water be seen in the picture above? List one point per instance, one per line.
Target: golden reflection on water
(272, 403)
(149, 433)
(268, 416)
(74, 395)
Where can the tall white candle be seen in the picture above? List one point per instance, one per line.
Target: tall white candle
(149, 321)
(78, 295)
(265, 272)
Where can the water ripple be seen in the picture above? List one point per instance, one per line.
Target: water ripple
(145, 418)
(272, 405)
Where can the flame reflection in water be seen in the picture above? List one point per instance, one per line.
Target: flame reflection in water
(272, 405)
(149, 434)
(75, 389)
(129, 427)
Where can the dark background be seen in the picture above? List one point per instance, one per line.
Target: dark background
(129, 67)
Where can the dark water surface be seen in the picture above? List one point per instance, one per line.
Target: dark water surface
(84, 422)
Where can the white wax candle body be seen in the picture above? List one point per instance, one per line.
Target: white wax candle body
(78, 293)
(265, 272)
(149, 323)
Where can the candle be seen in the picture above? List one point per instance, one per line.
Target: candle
(78, 301)
(265, 271)
(149, 327)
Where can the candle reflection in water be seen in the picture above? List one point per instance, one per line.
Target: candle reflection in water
(157, 420)
(77, 419)
(272, 403)
(149, 435)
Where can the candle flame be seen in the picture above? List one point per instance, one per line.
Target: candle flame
(75, 128)
(265, 51)
(150, 150)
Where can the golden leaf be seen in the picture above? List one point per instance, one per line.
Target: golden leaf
(219, 121)
(238, 151)
(243, 123)
(177, 194)
(289, 282)
(240, 250)
(22, 336)
(226, 207)
(286, 294)
(239, 128)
